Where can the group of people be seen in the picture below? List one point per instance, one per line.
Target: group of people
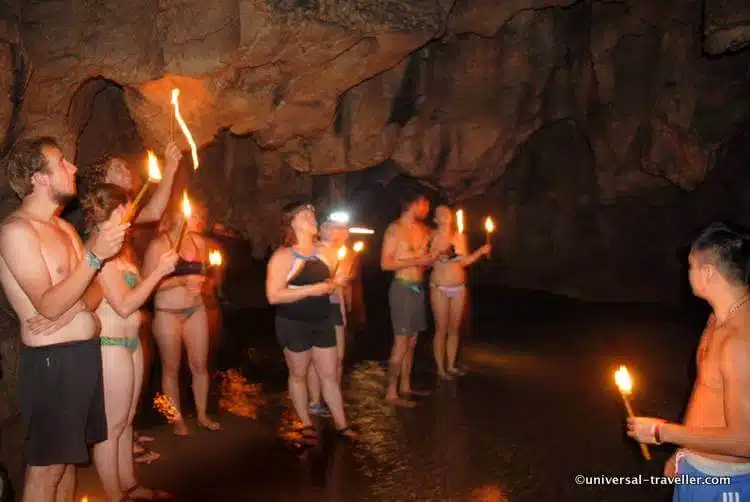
(81, 306)
(308, 285)
(79, 296)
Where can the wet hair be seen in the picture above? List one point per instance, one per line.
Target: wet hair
(100, 201)
(410, 198)
(25, 159)
(288, 212)
(726, 247)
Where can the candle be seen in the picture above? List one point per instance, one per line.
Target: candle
(489, 227)
(184, 127)
(460, 220)
(154, 176)
(625, 384)
(186, 212)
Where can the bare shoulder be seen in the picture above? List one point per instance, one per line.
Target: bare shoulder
(15, 227)
(281, 255)
(392, 230)
(67, 228)
(735, 347)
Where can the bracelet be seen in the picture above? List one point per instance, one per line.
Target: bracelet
(93, 260)
(656, 433)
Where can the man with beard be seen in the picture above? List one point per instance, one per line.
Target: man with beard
(46, 273)
(405, 253)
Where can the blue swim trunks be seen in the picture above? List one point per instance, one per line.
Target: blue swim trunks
(710, 487)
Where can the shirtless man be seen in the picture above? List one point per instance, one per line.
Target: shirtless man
(45, 272)
(715, 436)
(405, 253)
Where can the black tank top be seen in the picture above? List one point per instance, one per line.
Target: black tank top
(311, 308)
(186, 267)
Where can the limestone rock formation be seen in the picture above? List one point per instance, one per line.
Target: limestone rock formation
(480, 100)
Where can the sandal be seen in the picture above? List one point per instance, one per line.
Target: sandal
(151, 494)
(145, 456)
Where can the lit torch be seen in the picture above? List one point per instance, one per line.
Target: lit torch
(460, 221)
(154, 176)
(186, 212)
(340, 256)
(214, 258)
(358, 247)
(489, 227)
(625, 384)
(184, 127)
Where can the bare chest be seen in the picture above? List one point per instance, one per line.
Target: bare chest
(58, 251)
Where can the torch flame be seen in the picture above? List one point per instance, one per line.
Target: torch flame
(623, 381)
(214, 258)
(358, 246)
(460, 220)
(84, 499)
(154, 174)
(184, 127)
(187, 210)
(341, 253)
(164, 405)
(489, 225)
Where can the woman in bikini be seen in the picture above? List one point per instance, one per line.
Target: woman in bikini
(299, 283)
(122, 358)
(180, 314)
(448, 289)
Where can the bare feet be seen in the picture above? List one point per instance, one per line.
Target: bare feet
(141, 493)
(403, 403)
(143, 455)
(180, 428)
(209, 424)
(141, 438)
(446, 376)
(348, 433)
(456, 372)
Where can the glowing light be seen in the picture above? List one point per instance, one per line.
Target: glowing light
(358, 247)
(341, 254)
(154, 173)
(361, 230)
(623, 381)
(154, 176)
(215, 258)
(460, 220)
(339, 217)
(489, 225)
(184, 127)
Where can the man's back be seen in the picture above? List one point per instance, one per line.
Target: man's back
(54, 249)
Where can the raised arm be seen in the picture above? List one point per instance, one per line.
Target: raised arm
(22, 253)
(462, 249)
(156, 205)
(277, 290)
(122, 298)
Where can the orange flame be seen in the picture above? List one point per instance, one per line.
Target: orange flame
(184, 127)
(187, 210)
(623, 380)
(341, 254)
(489, 225)
(214, 258)
(154, 174)
(460, 220)
(238, 396)
(358, 246)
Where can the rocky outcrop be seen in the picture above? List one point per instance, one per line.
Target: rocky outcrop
(464, 95)
(727, 26)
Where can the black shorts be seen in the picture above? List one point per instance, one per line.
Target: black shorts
(336, 317)
(62, 401)
(299, 336)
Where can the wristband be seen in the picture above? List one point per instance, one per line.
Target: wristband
(93, 260)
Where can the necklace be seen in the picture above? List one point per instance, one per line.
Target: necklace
(735, 307)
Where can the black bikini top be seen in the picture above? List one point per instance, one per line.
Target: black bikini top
(187, 267)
